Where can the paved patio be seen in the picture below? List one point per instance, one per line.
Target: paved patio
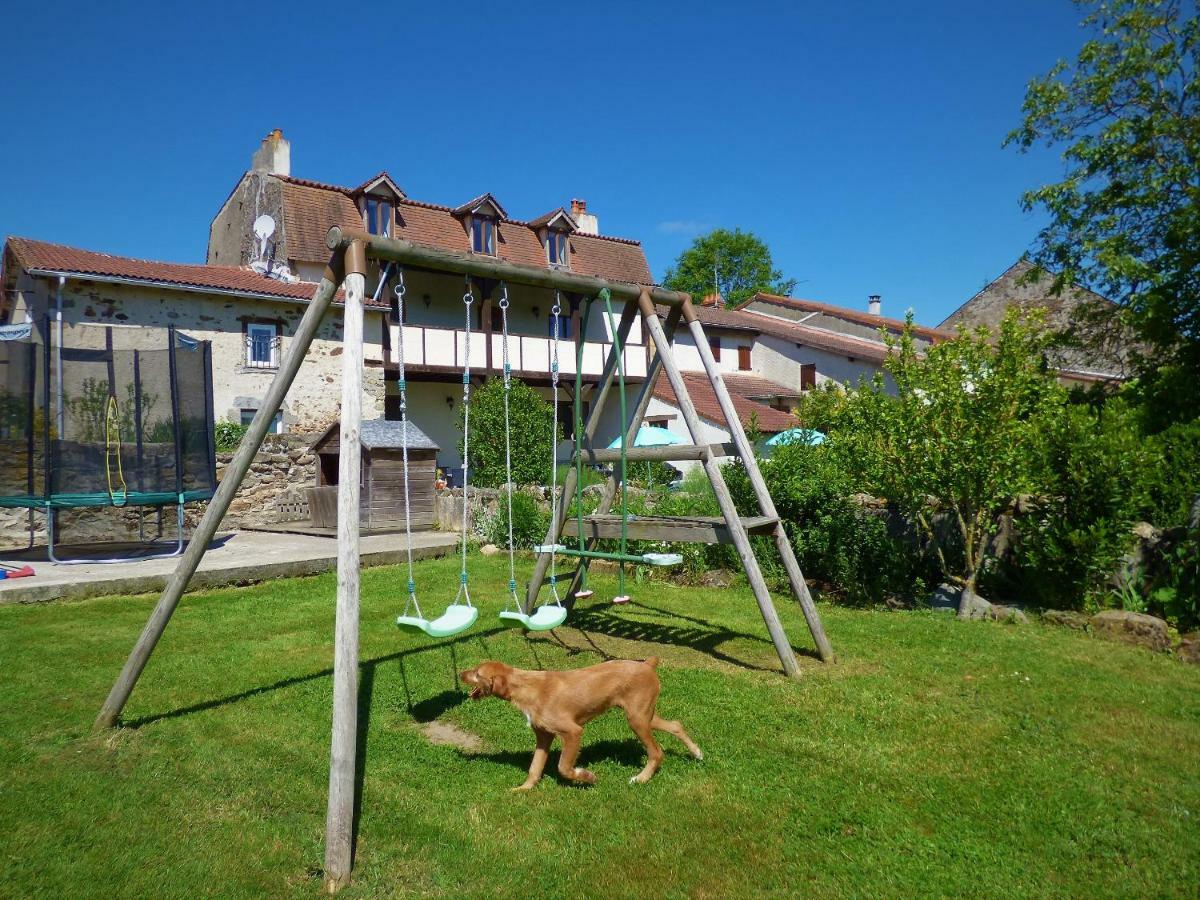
(243, 557)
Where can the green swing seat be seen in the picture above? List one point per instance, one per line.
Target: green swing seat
(457, 618)
(541, 619)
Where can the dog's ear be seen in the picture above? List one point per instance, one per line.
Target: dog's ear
(500, 686)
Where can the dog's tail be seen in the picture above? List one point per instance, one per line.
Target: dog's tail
(652, 661)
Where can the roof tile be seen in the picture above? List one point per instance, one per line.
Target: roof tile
(770, 420)
(42, 256)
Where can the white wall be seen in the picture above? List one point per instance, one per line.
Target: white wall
(779, 361)
(687, 357)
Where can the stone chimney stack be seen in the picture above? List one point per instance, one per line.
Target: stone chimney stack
(588, 223)
(274, 156)
(874, 305)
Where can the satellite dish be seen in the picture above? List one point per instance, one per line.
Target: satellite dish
(264, 227)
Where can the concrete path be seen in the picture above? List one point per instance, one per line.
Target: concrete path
(244, 557)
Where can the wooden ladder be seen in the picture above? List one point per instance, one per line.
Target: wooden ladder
(730, 527)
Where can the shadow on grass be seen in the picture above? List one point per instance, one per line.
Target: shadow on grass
(698, 634)
(628, 752)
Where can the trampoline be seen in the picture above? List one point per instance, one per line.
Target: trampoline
(109, 421)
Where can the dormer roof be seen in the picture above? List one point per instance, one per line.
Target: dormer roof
(381, 183)
(484, 204)
(558, 219)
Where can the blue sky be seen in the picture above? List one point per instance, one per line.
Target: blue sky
(860, 138)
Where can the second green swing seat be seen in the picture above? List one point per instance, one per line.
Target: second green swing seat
(541, 619)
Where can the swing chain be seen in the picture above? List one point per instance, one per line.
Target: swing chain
(556, 322)
(508, 475)
(468, 300)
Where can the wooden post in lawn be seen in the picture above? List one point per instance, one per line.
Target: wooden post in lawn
(737, 531)
(219, 505)
(339, 820)
(782, 542)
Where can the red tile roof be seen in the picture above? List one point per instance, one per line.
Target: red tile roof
(824, 339)
(770, 420)
(756, 387)
(310, 208)
(809, 335)
(43, 257)
(850, 315)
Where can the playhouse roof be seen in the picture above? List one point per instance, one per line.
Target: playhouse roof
(385, 434)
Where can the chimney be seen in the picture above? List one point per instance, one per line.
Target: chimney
(274, 156)
(874, 304)
(587, 223)
(712, 299)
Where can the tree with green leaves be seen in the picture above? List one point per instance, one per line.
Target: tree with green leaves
(531, 421)
(1125, 218)
(734, 263)
(960, 439)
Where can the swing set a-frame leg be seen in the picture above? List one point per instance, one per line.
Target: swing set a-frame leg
(782, 542)
(712, 467)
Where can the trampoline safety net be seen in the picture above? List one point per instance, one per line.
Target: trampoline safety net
(107, 420)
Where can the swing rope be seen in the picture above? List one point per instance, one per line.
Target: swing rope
(556, 313)
(468, 299)
(621, 597)
(508, 475)
(403, 388)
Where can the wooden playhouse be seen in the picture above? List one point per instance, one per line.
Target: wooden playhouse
(381, 502)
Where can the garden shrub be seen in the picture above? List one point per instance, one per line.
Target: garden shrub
(529, 523)
(532, 424)
(228, 435)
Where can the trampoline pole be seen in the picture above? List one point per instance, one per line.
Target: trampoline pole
(219, 505)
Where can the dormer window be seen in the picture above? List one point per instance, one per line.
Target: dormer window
(377, 216)
(556, 248)
(483, 235)
(480, 218)
(554, 231)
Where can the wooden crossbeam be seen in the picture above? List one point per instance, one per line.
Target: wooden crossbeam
(666, 453)
(689, 529)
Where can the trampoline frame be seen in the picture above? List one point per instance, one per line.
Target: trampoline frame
(51, 504)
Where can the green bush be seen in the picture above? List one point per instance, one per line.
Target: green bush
(529, 523)
(1102, 477)
(532, 425)
(836, 540)
(228, 435)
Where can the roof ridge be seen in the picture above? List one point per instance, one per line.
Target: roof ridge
(853, 315)
(139, 259)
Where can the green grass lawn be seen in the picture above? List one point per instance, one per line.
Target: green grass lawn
(937, 756)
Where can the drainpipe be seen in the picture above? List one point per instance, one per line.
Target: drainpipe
(58, 343)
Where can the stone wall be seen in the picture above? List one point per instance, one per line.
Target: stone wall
(275, 488)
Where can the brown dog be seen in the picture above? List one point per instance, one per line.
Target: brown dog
(559, 704)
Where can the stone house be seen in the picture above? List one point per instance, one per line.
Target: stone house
(1094, 347)
(434, 325)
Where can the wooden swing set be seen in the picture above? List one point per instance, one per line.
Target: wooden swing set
(347, 269)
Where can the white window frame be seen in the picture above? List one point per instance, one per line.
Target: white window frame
(272, 360)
